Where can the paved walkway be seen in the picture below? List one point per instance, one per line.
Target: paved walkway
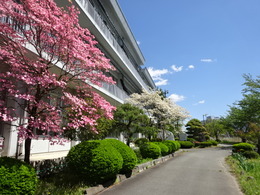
(196, 172)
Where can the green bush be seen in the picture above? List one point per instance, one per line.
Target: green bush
(16, 177)
(156, 139)
(95, 161)
(213, 142)
(172, 145)
(138, 154)
(250, 154)
(191, 139)
(128, 155)
(241, 147)
(164, 148)
(205, 144)
(177, 143)
(186, 144)
(141, 141)
(150, 150)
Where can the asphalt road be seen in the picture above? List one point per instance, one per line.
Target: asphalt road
(195, 172)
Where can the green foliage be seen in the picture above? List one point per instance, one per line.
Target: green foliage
(250, 154)
(196, 130)
(130, 120)
(104, 127)
(150, 150)
(96, 161)
(186, 144)
(128, 155)
(138, 154)
(243, 147)
(243, 163)
(213, 142)
(16, 177)
(244, 115)
(172, 145)
(248, 174)
(140, 141)
(205, 144)
(164, 148)
(156, 139)
(191, 139)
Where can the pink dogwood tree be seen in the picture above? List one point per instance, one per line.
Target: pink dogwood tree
(47, 62)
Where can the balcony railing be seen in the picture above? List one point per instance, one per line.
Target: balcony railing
(115, 90)
(88, 7)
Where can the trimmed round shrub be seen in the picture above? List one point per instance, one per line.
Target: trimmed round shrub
(172, 145)
(16, 177)
(150, 150)
(164, 148)
(186, 144)
(213, 142)
(205, 144)
(95, 161)
(177, 144)
(250, 154)
(128, 155)
(141, 141)
(241, 147)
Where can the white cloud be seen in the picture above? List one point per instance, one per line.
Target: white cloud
(161, 82)
(191, 66)
(176, 68)
(207, 60)
(201, 102)
(157, 73)
(138, 42)
(157, 76)
(176, 97)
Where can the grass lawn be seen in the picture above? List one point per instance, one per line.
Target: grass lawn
(247, 172)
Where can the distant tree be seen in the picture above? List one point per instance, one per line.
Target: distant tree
(162, 111)
(244, 115)
(215, 127)
(196, 130)
(46, 59)
(129, 120)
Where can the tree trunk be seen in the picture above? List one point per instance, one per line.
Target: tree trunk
(27, 150)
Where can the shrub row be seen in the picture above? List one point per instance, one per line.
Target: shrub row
(156, 149)
(208, 143)
(246, 150)
(99, 161)
(186, 144)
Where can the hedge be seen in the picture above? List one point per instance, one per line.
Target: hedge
(164, 148)
(241, 147)
(128, 155)
(186, 144)
(150, 150)
(16, 177)
(96, 161)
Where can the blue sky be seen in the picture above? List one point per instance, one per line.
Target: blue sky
(198, 50)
